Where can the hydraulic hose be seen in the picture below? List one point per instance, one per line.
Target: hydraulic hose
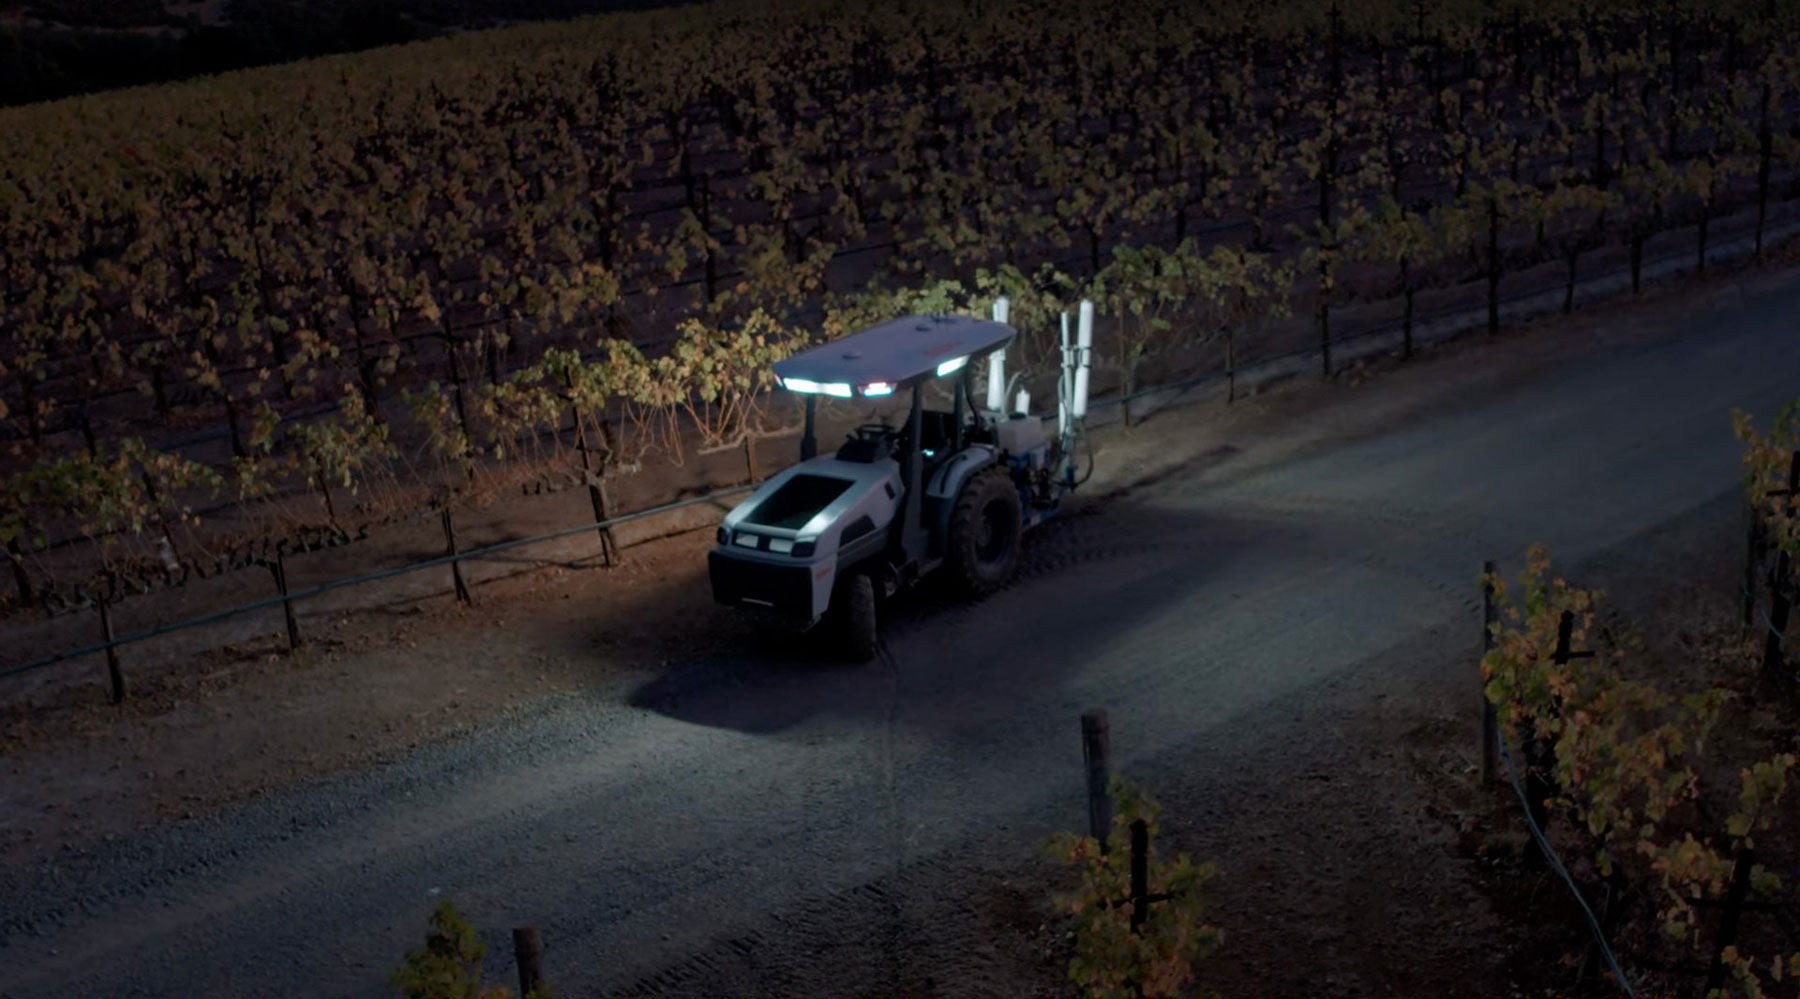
(1082, 434)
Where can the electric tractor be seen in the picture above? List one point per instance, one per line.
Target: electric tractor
(945, 494)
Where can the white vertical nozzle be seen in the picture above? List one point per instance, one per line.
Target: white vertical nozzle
(1084, 346)
(1023, 403)
(996, 389)
(996, 393)
(1064, 383)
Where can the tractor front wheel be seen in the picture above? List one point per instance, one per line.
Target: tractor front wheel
(983, 546)
(860, 632)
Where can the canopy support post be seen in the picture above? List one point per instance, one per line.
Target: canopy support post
(809, 445)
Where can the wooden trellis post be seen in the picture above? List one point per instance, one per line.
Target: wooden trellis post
(1094, 753)
(528, 949)
(279, 568)
(462, 588)
(1728, 920)
(113, 673)
(596, 479)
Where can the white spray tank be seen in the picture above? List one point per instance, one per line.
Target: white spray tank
(1084, 348)
(1022, 404)
(1065, 384)
(996, 387)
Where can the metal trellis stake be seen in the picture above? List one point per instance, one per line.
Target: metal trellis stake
(1140, 874)
(1753, 551)
(1540, 754)
(1140, 896)
(1774, 665)
(1490, 718)
(1230, 368)
(1774, 662)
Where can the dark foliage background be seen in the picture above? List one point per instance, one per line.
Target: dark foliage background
(63, 48)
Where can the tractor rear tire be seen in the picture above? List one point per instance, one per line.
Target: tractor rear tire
(860, 630)
(985, 526)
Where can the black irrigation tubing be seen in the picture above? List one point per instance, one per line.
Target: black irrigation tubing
(1260, 362)
(370, 578)
(207, 437)
(1556, 864)
(1201, 379)
(1770, 625)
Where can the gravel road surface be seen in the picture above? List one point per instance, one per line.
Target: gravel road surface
(668, 834)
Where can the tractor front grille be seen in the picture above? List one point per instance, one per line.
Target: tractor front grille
(784, 589)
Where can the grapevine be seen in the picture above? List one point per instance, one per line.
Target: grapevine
(1626, 757)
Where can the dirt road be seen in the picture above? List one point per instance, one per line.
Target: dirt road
(757, 821)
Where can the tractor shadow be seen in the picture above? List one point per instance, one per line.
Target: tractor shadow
(1084, 580)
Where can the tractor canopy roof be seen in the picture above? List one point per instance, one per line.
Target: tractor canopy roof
(895, 355)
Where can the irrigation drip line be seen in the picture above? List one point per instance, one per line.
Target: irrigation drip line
(1556, 864)
(1745, 591)
(368, 578)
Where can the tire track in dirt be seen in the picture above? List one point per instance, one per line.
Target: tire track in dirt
(814, 918)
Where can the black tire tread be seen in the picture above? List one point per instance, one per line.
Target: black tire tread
(967, 576)
(860, 628)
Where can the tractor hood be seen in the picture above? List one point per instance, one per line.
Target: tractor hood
(802, 504)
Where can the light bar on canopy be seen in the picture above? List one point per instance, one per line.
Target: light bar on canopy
(839, 389)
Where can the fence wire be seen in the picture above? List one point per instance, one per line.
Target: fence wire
(368, 578)
(1556, 864)
(1770, 625)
